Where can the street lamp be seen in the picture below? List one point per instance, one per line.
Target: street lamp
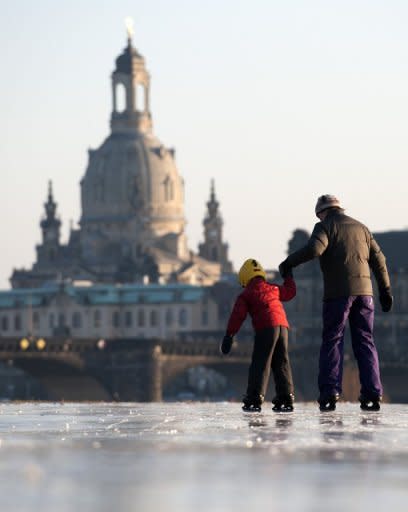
(40, 344)
(101, 344)
(24, 344)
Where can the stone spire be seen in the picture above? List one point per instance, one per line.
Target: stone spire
(50, 224)
(213, 204)
(213, 248)
(50, 206)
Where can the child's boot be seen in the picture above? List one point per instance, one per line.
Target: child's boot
(283, 403)
(252, 403)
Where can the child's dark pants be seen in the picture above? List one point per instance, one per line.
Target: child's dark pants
(359, 310)
(270, 352)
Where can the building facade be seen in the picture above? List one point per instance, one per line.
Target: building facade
(105, 311)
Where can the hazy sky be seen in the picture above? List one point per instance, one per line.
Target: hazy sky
(278, 101)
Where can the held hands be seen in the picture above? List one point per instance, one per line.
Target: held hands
(386, 300)
(285, 270)
(226, 344)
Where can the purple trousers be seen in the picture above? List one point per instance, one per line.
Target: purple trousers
(359, 310)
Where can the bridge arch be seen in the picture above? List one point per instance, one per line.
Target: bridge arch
(62, 378)
(183, 377)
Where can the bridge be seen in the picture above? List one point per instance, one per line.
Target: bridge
(142, 369)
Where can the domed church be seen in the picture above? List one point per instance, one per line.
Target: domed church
(132, 227)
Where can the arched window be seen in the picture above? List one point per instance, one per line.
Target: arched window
(76, 320)
(17, 323)
(141, 318)
(4, 323)
(169, 317)
(128, 319)
(51, 321)
(182, 317)
(153, 318)
(116, 319)
(168, 189)
(120, 93)
(214, 254)
(140, 98)
(97, 318)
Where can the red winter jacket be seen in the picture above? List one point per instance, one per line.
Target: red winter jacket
(262, 301)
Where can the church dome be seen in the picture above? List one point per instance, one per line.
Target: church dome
(124, 63)
(133, 178)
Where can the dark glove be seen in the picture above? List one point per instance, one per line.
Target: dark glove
(386, 300)
(285, 269)
(226, 344)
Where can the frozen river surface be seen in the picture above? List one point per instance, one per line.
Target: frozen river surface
(201, 457)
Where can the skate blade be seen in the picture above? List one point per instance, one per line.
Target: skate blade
(370, 407)
(283, 409)
(251, 409)
(327, 407)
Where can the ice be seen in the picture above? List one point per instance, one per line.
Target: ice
(201, 457)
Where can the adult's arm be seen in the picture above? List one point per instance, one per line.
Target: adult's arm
(314, 248)
(378, 265)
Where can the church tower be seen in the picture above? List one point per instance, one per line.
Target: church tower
(50, 227)
(132, 193)
(130, 92)
(213, 248)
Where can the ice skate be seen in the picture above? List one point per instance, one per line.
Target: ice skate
(251, 408)
(252, 404)
(283, 403)
(327, 404)
(370, 404)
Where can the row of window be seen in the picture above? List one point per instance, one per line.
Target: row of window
(127, 319)
(99, 191)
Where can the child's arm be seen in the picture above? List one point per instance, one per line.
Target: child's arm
(237, 317)
(288, 290)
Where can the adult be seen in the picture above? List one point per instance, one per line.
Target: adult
(347, 251)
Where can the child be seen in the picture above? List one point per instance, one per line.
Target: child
(262, 301)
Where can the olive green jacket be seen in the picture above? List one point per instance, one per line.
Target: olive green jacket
(347, 252)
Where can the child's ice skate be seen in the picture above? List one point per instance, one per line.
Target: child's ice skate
(283, 403)
(252, 403)
(370, 404)
(327, 404)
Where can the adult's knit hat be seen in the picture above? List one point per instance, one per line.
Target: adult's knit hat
(326, 201)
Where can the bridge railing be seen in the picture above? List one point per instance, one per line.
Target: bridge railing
(55, 345)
